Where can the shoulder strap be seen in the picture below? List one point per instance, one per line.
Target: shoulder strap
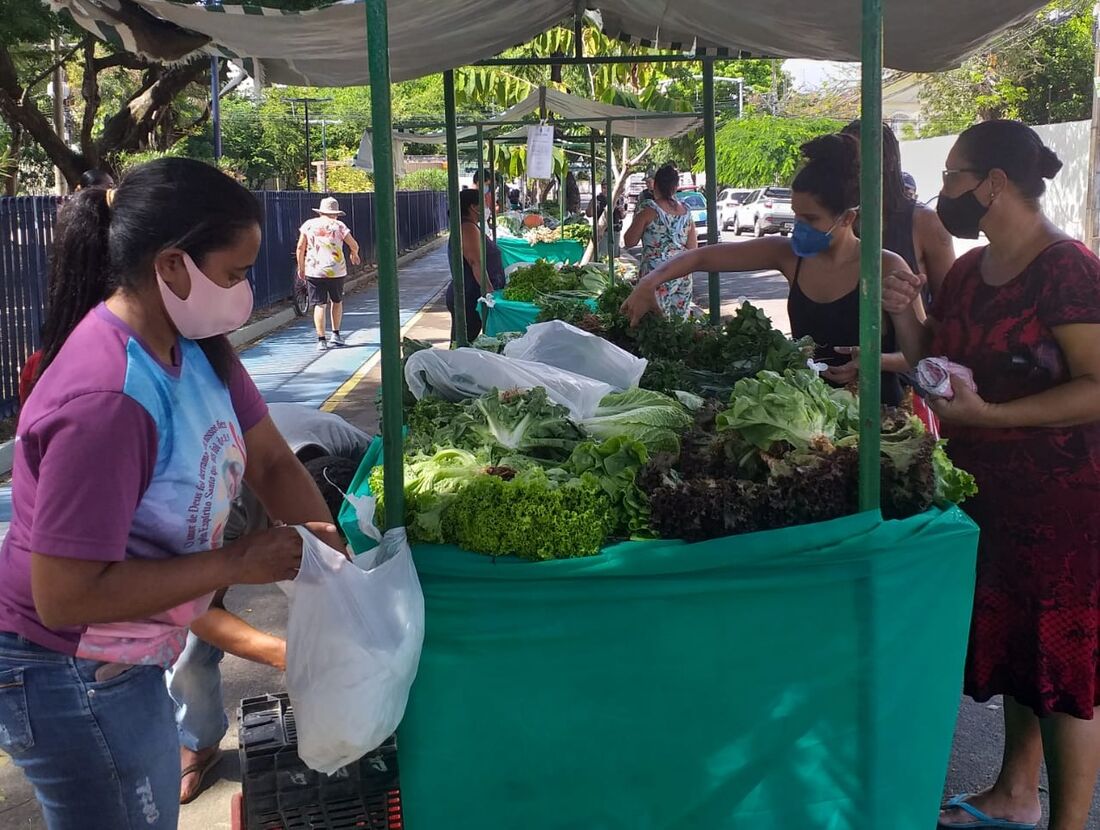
(797, 271)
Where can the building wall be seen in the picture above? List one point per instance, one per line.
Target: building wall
(1064, 201)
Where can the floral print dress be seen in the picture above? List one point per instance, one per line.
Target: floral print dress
(663, 238)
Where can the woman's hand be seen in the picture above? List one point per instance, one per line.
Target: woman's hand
(967, 408)
(642, 301)
(275, 554)
(355, 260)
(900, 290)
(846, 373)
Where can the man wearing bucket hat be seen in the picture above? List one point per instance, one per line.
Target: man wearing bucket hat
(322, 264)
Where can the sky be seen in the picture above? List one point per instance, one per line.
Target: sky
(812, 74)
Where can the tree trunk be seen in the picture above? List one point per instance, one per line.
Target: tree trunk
(17, 111)
(131, 128)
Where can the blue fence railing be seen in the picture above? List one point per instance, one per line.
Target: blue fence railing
(26, 236)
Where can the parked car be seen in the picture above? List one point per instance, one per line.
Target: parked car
(767, 210)
(728, 201)
(696, 203)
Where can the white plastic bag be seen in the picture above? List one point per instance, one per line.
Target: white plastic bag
(556, 343)
(470, 373)
(353, 646)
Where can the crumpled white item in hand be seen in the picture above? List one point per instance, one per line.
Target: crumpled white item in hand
(934, 376)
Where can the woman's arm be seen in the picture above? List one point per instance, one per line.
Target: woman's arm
(693, 237)
(225, 630)
(755, 255)
(471, 249)
(281, 483)
(72, 592)
(300, 252)
(1070, 404)
(633, 234)
(935, 247)
(353, 247)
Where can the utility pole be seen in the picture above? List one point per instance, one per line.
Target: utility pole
(324, 122)
(309, 156)
(61, 185)
(1092, 206)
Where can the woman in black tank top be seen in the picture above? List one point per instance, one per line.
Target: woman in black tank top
(820, 260)
(833, 324)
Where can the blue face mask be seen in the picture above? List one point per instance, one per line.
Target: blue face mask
(807, 241)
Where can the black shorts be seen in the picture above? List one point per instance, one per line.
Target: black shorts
(326, 289)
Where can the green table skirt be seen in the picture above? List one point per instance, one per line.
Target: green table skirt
(509, 315)
(513, 250)
(800, 679)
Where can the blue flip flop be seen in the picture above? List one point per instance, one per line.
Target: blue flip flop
(981, 820)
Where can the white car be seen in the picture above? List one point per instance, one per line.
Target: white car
(728, 201)
(764, 211)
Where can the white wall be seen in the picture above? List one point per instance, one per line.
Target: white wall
(1064, 201)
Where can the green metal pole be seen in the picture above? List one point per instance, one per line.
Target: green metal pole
(492, 190)
(378, 63)
(561, 199)
(714, 288)
(483, 280)
(595, 215)
(870, 284)
(609, 213)
(455, 242)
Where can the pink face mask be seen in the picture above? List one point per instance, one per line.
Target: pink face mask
(209, 309)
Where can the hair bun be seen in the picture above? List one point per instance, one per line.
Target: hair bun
(838, 150)
(1049, 163)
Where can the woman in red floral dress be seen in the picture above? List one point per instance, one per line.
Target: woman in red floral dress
(1024, 315)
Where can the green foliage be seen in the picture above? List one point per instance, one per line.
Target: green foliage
(796, 408)
(128, 161)
(762, 150)
(530, 516)
(655, 420)
(613, 466)
(1041, 74)
(349, 180)
(424, 180)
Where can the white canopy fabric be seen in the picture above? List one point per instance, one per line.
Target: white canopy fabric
(327, 47)
(568, 106)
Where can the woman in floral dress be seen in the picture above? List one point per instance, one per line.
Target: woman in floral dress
(1024, 315)
(664, 227)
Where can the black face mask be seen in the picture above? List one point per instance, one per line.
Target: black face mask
(962, 215)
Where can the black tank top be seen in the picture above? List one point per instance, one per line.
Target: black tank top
(897, 234)
(836, 324)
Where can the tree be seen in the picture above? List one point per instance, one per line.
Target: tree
(763, 149)
(127, 104)
(1040, 74)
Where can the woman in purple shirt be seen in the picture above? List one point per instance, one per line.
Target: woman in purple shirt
(139, 433)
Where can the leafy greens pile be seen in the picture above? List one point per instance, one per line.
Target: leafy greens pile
(786, 452)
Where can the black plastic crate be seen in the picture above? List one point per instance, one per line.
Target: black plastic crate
(282, 793)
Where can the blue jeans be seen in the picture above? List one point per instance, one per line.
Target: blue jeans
(195, 685)
(101, 755)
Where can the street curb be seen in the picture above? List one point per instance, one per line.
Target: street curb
(261, 328)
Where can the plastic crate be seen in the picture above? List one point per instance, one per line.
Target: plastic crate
(282, 793)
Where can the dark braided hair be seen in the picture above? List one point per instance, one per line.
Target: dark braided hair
(831, 173)
(894, 199)
(100, 248)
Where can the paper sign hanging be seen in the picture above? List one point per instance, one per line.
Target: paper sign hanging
(540, 152)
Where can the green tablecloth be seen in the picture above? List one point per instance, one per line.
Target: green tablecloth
(513, 250)
(509, 315)
(800, 678)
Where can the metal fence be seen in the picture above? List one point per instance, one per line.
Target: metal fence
(26, 235)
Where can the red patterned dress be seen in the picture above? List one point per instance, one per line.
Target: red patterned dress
(1036, 621)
